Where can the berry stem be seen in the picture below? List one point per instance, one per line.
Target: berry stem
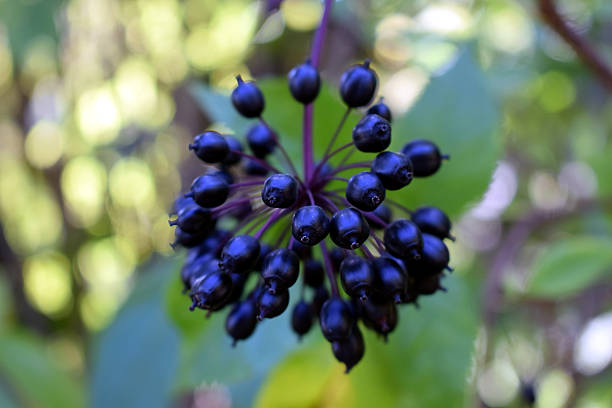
(280, 146)
(327, 155)
(257, 160)
(352, 166)
(398, 205)
(319, 35)
(333, 283)
(275, 217)
(246, 184)
(328, 203)
(347, 156)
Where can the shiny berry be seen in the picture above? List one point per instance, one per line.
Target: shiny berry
(349, 229)
(210, 190)
(224, 174)
(194, 268)
(281, 269)
(433, 221)
(336, 319)
(301, 318)
(239, 254)
(310, 225)
(358, 85)
(264, 250)
(357, 276)
(234, 146)
(279, 191)
(434, 255)
(314, 274)
(247, 99)
(365, 191)
(380, 317)
(261, 140)
(337, 255)
(424, 156)
(390, 278)
(380, 109)
(193, 219)
(238, 282)
(428, 285)
(241, 320)
(403, 239)
(393, 169)
(350, 350)
(272, 305)
(304, 83)
(372, 134)
(211, 291)
(187, 239)
(303, 251)
(253, 168)
(210, 147)
(380, 217)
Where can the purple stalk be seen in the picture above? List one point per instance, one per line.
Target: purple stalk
(329, 270)
(315, 57)
(275, 216)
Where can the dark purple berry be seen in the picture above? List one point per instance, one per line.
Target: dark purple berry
(239, 254)
(320, 297)
(194, 219)
(247, 99)
(187, 239)
(210, 147)
(365, 191)
(350, 350)
(434, 255)
(433, 221)
(301, 318)
(314, 274)
(310, 225)
(264, 250)
(380, 217)
(336, 319)
(424, 156)
(393, 169)
(261, 140)
(195, 267)
(234, 146)
(211, 291)
(358, 85)
(428, 285)
(253, 168)
(381, 109)
(349, 229)
(210, 190)
(279, 191)
(272, 305)
(238, 282)
(390, 278)
(241, 320)
(303, 251)
(357, 276)
(304, 83)
(281, 269)
(372, 134)
(337, 255)
(224, 174)
(403, 239)
(380, 317)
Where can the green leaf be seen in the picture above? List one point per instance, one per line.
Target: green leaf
(135, 359)
(33, 377)
(457, 112)
(431, 345)
(568, 266)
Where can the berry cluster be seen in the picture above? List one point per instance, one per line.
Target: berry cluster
(280, 217)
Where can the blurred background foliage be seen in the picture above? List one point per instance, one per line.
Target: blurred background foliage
(99, 100)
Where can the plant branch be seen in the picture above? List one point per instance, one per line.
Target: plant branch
(550, 14)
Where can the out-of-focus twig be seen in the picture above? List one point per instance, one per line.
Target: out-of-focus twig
(550, 14)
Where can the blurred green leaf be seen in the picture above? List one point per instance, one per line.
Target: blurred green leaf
(457, 112)
(568, 266)
(39, 16)
(135, 359)
(33, 376)
(431, 345)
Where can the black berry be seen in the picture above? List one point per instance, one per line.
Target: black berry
(310, 225)
(234, 146)
(239, 254)
(357, 276)
(350, 350)
(336, 319)
(280, 270)
(390, 278)
(365, 191)
(381, 109)
(314, 274)
(210, 190)
(433, 221)
(261, 140)
(348, 228)
(358, 85)
(193, 219)
(210, 147)
(393, 169)
(279, 191)
(247, 99)
(424, 156)
(403, 239)
(372, 134)
(272, 305)
(241, 320)
(380, 217)
(301, 318)
(211, 291)
(304, 83)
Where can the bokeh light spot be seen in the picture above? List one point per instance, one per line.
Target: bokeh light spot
(44, 144)
(47, 282)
